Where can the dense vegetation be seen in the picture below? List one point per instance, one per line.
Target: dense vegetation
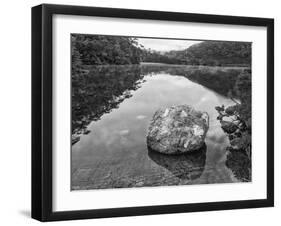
(158, 57)
(239, 128)
(219, 53)
(102, 50)
(212, 53)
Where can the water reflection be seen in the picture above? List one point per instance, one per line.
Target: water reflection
(111, 109)
(210, 77)
(240, 164)
(98, 92)
(236, 122)
(189, 166)
(103, 88)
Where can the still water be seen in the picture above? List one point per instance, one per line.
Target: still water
(115, 106)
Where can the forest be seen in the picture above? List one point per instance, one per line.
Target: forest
(117, 50)
(215, 53)
(103, 50)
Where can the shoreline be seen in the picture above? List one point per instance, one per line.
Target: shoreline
(170, 65)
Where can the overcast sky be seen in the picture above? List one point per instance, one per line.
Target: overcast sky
(165, 44)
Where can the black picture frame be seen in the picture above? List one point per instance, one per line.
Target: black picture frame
(42, 107)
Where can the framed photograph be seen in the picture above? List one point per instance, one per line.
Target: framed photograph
(146, 112)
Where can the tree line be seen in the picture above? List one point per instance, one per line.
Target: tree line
(101, 50)
(117, 50)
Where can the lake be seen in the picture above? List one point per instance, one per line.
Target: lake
(111, 110)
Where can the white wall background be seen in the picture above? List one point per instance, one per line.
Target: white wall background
(15, 93)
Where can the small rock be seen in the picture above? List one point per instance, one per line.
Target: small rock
(87, 132)
(219, 109)
(74, 139)
(228, 127)
(230, 110)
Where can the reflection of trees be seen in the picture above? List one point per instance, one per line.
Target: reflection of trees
(240, 165)
(187, 166)
(220, 80)
(98, 92)
(236, 121)
(99, 89)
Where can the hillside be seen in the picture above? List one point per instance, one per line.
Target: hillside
(206, 53)
(117, 50)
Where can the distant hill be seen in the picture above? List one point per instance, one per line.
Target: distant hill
(117, 50)
(206, 53)
(217, 52)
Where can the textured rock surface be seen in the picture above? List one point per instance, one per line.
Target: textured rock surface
(178, 129)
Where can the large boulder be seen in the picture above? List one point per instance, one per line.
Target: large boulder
(178, 129)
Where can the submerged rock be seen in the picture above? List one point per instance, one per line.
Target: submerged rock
(178, 129)
(231, 110)
(228, 127)
(74, 139)
(188, 166)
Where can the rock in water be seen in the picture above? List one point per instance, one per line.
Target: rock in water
(228, 127)
(178, 129)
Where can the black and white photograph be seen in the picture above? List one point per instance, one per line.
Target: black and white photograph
(149, 112)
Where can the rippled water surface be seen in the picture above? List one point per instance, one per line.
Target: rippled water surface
(115, 108)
